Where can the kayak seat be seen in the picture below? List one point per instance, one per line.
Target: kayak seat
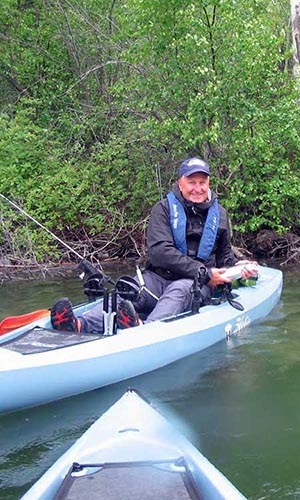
(164, 480)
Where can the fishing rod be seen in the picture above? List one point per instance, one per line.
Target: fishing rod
(158, 178)
(86, 267)
(41, 225)
(88, 273)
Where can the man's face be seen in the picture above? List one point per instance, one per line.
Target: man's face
(195, 187)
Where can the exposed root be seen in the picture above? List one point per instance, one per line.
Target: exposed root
(128, 246)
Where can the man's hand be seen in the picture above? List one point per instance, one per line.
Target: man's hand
(217, 278)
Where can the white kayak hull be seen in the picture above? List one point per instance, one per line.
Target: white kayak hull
(32, 379)
(132, 433)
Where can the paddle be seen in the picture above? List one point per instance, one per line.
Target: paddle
(12, 322)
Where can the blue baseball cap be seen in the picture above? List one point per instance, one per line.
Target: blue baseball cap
(192, 166)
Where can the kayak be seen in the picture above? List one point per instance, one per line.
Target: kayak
(39, 364)
(132, 451)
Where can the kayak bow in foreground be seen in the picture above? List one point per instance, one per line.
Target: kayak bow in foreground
(133, 452)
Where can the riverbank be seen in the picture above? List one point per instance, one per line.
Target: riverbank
(40, 272)
(70, 270)
(267, 247)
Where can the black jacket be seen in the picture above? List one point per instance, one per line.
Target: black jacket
(166, 260)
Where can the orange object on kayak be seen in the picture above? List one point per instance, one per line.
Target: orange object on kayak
(13, 322)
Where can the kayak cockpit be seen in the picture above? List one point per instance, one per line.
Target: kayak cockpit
(149, 480)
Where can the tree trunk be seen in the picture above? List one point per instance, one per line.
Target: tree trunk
(295, 14)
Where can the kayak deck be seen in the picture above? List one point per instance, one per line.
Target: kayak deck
(39, 339)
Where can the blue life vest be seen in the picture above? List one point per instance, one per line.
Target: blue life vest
(178, 225)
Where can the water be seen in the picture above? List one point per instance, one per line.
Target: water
(238, 402)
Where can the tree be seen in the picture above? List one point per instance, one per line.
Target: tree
(99, 97)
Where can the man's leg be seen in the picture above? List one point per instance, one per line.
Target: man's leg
(177, 298)
(92, 321)
(154, 286)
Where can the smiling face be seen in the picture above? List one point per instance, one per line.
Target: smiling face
(195, 187)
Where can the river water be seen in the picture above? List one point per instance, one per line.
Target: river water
(238, 401)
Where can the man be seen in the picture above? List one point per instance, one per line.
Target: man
(188, 236)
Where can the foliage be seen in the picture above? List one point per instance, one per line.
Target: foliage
(101, 101)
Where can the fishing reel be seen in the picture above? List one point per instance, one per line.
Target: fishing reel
(93, 280)
(128, 288)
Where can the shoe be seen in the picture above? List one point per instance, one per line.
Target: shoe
(62, 316)
(126, 315)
